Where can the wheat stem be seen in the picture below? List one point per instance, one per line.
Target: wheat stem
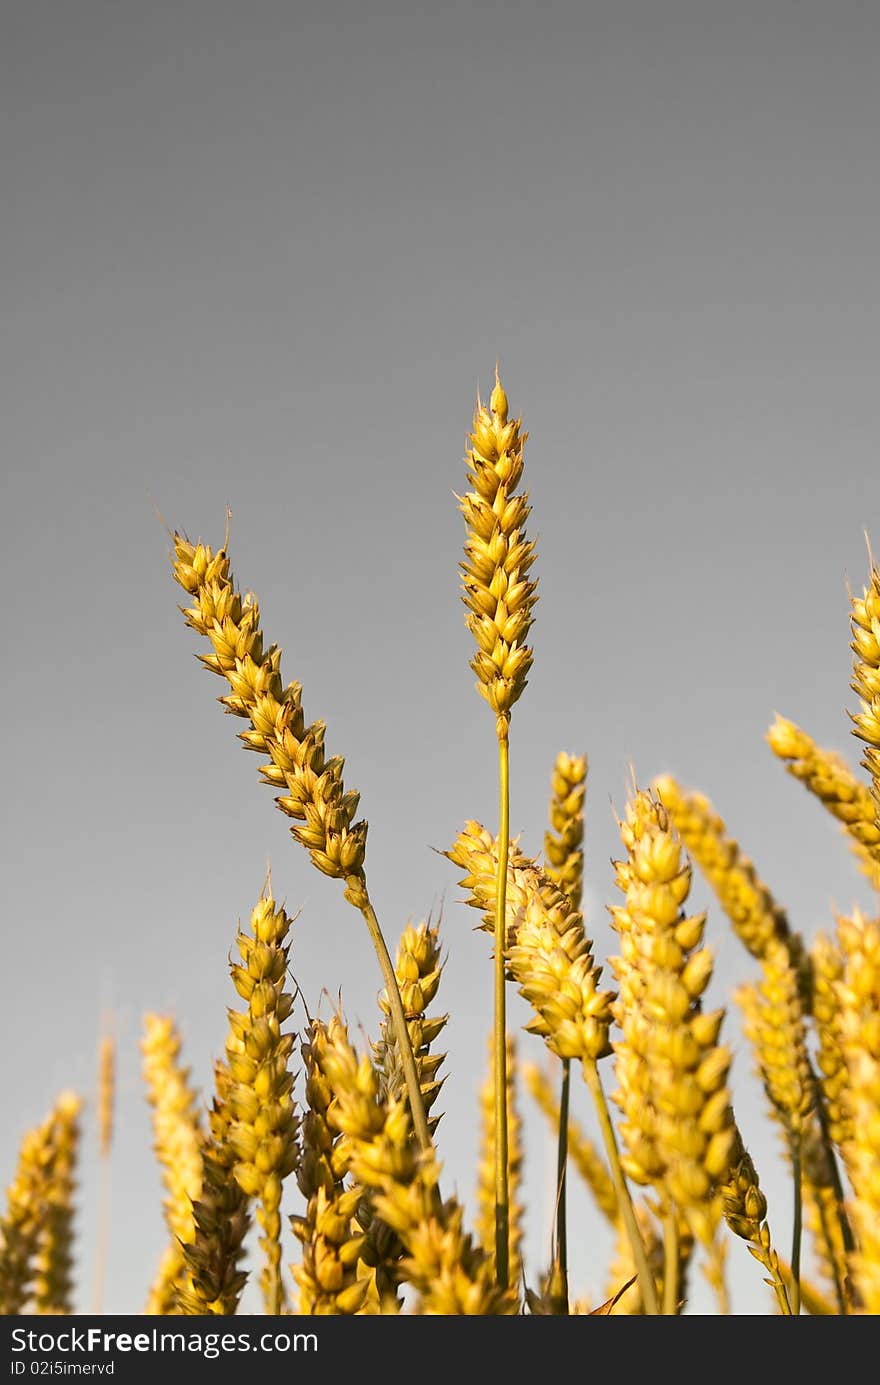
(627, 1212)
(502, 1198)
(797, 1225)
(561, 1170)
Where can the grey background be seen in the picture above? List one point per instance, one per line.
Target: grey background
(263, 256)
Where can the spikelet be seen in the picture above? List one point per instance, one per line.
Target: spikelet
(678, 1125)
(858, 994)
(548, 953)
(53, 1263)
(451, 1275)
(312, 789)
(757, 919)
(485, 1224)
(178, 1136)
(330, 1276)
(865, 626)
(264, 1125)
(563, 853)
(496, 589)
(832, 781)
(745, 1211)
(214, 1280)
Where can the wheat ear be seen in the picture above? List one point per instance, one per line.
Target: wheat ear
(178, 1136)
(311, 784)
(214, 1280)
(564, 863)
(774, 1023)
(745, 1211)
(672, 1074)
(757, 919)
(36, 1229)
(830, 779)
(865, 627)
(264, 1125)
(858, 995)
(330, 1275)
(550, 957)
(451, 1275)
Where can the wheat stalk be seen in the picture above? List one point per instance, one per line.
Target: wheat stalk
(500, 599)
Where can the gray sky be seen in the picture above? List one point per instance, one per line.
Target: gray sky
(262, 257)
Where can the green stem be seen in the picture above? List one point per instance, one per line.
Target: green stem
(797, 1226)
(398, 1020)
(670, 1264)
(561, 1167)
(624, 1201)
(502, 1197)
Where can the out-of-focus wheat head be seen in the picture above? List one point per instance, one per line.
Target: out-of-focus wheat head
(53, 1286)
(496, 589)
(313, 793)
(178, 1135)
(829, 777)
(37, 1227)
(865, 625)
(773, 1021)
(106, 1093)
(264, 1119)
(858, 993)
(677, 1124)
(563, 853)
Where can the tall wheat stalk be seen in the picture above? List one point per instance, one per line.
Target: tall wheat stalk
(499, 599)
